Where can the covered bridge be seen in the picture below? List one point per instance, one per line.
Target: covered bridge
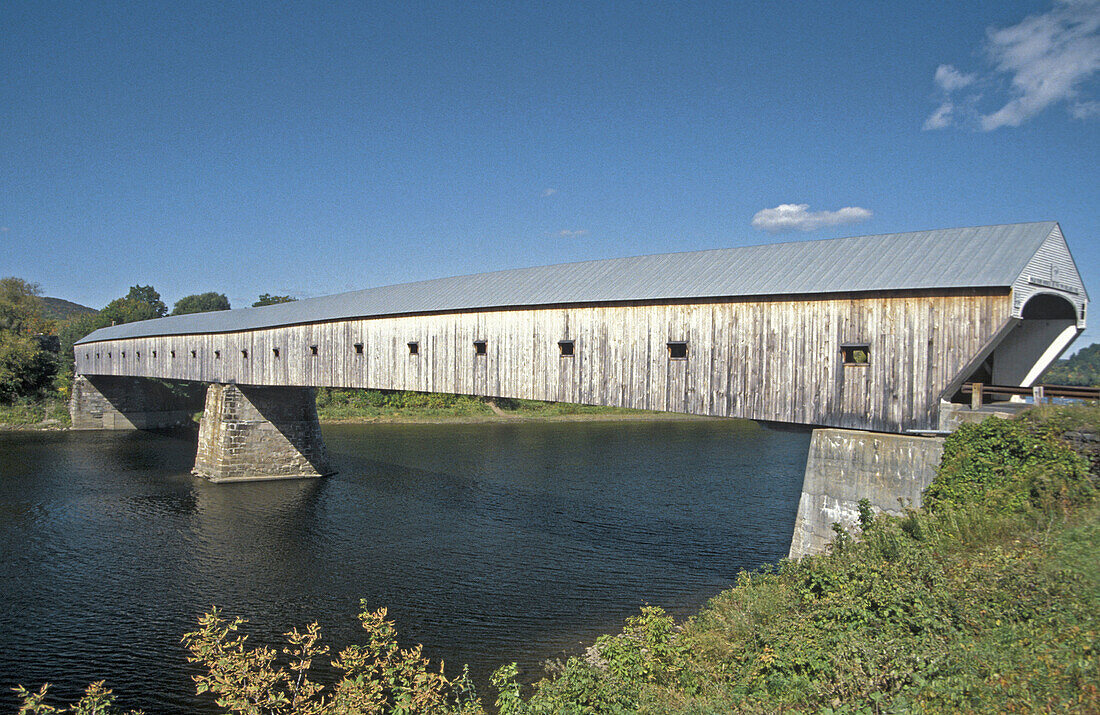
(869, 332)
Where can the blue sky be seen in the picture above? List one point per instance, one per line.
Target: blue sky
(315, 148)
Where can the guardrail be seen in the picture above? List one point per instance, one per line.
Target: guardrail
(1038, 393)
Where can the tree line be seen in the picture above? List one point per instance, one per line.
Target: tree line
(1081, 369)
(36, 352)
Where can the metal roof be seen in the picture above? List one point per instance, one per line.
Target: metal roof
(976, 257)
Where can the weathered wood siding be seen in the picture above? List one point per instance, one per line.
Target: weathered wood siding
(776, 360)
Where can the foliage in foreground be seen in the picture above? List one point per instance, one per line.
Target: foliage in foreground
(378, 677)
(987, 600)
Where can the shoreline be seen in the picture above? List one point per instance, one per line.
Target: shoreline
(53, 425)
(512, 419)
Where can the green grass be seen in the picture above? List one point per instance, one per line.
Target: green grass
(379, 405)
(31, 413)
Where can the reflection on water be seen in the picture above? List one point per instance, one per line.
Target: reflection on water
(488, 543)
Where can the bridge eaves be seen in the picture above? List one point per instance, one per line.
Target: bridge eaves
(958, 258)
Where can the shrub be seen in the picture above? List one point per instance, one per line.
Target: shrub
(375, 677)
(1009, 465)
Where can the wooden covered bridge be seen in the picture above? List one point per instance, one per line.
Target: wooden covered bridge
(869, 333)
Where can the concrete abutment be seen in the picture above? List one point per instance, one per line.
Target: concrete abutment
(845, 466)
(251, 433)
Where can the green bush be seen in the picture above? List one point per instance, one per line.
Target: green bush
(1008, 465)
(25, 368)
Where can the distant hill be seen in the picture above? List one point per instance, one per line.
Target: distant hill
(61, 309)
(1081, 369)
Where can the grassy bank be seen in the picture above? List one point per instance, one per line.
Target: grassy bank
(40, 413)
(342, 406)
(338, 405)
(985, 600)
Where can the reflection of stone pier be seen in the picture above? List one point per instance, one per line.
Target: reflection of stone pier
(251, 433)
(124, 403)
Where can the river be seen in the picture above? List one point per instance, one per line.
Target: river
(487, 542)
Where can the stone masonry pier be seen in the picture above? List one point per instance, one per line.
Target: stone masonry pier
(251, 433)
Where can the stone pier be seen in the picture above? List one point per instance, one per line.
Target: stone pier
(125, 403)
(251, 433)
(845, 466)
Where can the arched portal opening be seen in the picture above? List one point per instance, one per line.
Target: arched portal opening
(1047, 306)
(1047, 326)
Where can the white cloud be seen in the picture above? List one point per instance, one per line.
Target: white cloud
(566, 233)
(1084, 110)
(941, 117)
(798, 217)
(548, 192)
(1046, 60)
(951, 79)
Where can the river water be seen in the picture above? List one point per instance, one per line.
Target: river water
(487, 542)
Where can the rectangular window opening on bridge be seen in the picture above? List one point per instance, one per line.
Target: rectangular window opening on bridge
(172, 353)
(359, 348)
(414, 348)
(97, 356)
(479, 347)
(86, 356)
(275, 352)
(154, 354)
(137, 355)
(123, 354)
(108, 356)
(217, 354)
(312, 349)
(678, 350)
(244, 354)
(566, 348)
(194, 353)
(858, 354)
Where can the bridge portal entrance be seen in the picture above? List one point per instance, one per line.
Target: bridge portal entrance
(1028, 345)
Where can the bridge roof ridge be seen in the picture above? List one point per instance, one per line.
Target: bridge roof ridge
(969, 257)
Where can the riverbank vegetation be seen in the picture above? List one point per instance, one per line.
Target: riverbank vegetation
(987, 599)
(339, 405)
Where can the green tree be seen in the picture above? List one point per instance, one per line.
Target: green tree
(141, 303)
(25, 365)
(268, 299)
(20, 310)
(149, 296)
(200, 303)
(1081, 369)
